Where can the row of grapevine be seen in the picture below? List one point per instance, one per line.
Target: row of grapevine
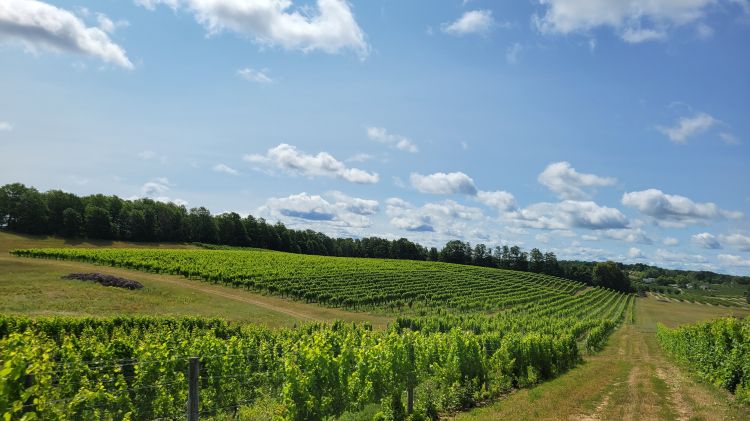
(134, 368)
(347, 282)
(719, 351)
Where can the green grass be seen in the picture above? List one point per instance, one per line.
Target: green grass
(629, 379)
(33, 287)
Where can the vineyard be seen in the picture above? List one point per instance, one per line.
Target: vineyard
(719, 351)
(466, 335)
(355, 283)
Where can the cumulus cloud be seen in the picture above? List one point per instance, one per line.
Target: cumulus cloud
(355, 204)
(733, 260)
(330, 27)
(741, 241)
(288, 158)
(5, 126)
(157, 189)
(500, 200)
(676, 257)
(226, 169)
(634, 21)
(39, 25)
(304, 209)
(569, 214)
(445, 217)
(566, 182)
(673, 210)
(636, 253)
(444, 183)
(257, 76)
(471, 22)
(399, 142)
(670, 241)
(629, 235)
(706, 240)
(687, 127)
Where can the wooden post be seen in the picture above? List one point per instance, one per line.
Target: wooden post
(193, 372)
(28, 381)
(409, 399)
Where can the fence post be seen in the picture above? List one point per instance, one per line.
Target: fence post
(28, 381)
(193, 372)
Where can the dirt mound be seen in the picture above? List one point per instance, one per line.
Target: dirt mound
(106, 280)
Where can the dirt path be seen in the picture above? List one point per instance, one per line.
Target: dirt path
(630, 380)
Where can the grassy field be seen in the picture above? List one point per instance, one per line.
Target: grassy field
(34, 287)
(630, 379)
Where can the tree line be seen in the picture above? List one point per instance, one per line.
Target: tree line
(26, 210)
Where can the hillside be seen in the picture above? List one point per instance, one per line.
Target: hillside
(347, 282)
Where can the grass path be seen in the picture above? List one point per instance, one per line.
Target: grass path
(630, 380)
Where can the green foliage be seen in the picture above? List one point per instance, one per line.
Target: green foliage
(719, 351)
(609, 275)
(136, 367)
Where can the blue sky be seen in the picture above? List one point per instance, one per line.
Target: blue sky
(607, 129)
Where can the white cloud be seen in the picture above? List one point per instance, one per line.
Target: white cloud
(512, 53)
(500, 200)
(107, 25)
(314, 211)
(5, 126)
(733, 260)
(447, 217)
(40, 25)
(669, 256)
(444, 183)
(257, 76)
(355, 204)
(706, 240)
(288, 158)
(569, 214)
(688, 126)
(670, 241)
(588, 237)
(566, 182)
(741, 241)
(638, 35)
(704, 31)
(673, 210)
(226, 169)
(157, 189)
(636, 253)
(360, 157)
(147, 155)
(471, 22)
(629, 235)
(729, 138)
(330, 27)
(381, 135)
(633, 20)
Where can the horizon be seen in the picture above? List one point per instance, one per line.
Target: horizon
(599, 134)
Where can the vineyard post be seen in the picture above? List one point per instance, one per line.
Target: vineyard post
(193, 371)
(28, 382)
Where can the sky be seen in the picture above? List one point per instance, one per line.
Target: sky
(607, 129)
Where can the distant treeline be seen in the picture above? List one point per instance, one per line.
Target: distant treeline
(26, 210)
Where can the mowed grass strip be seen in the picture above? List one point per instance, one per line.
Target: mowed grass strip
(630, 379)
(33, 287)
